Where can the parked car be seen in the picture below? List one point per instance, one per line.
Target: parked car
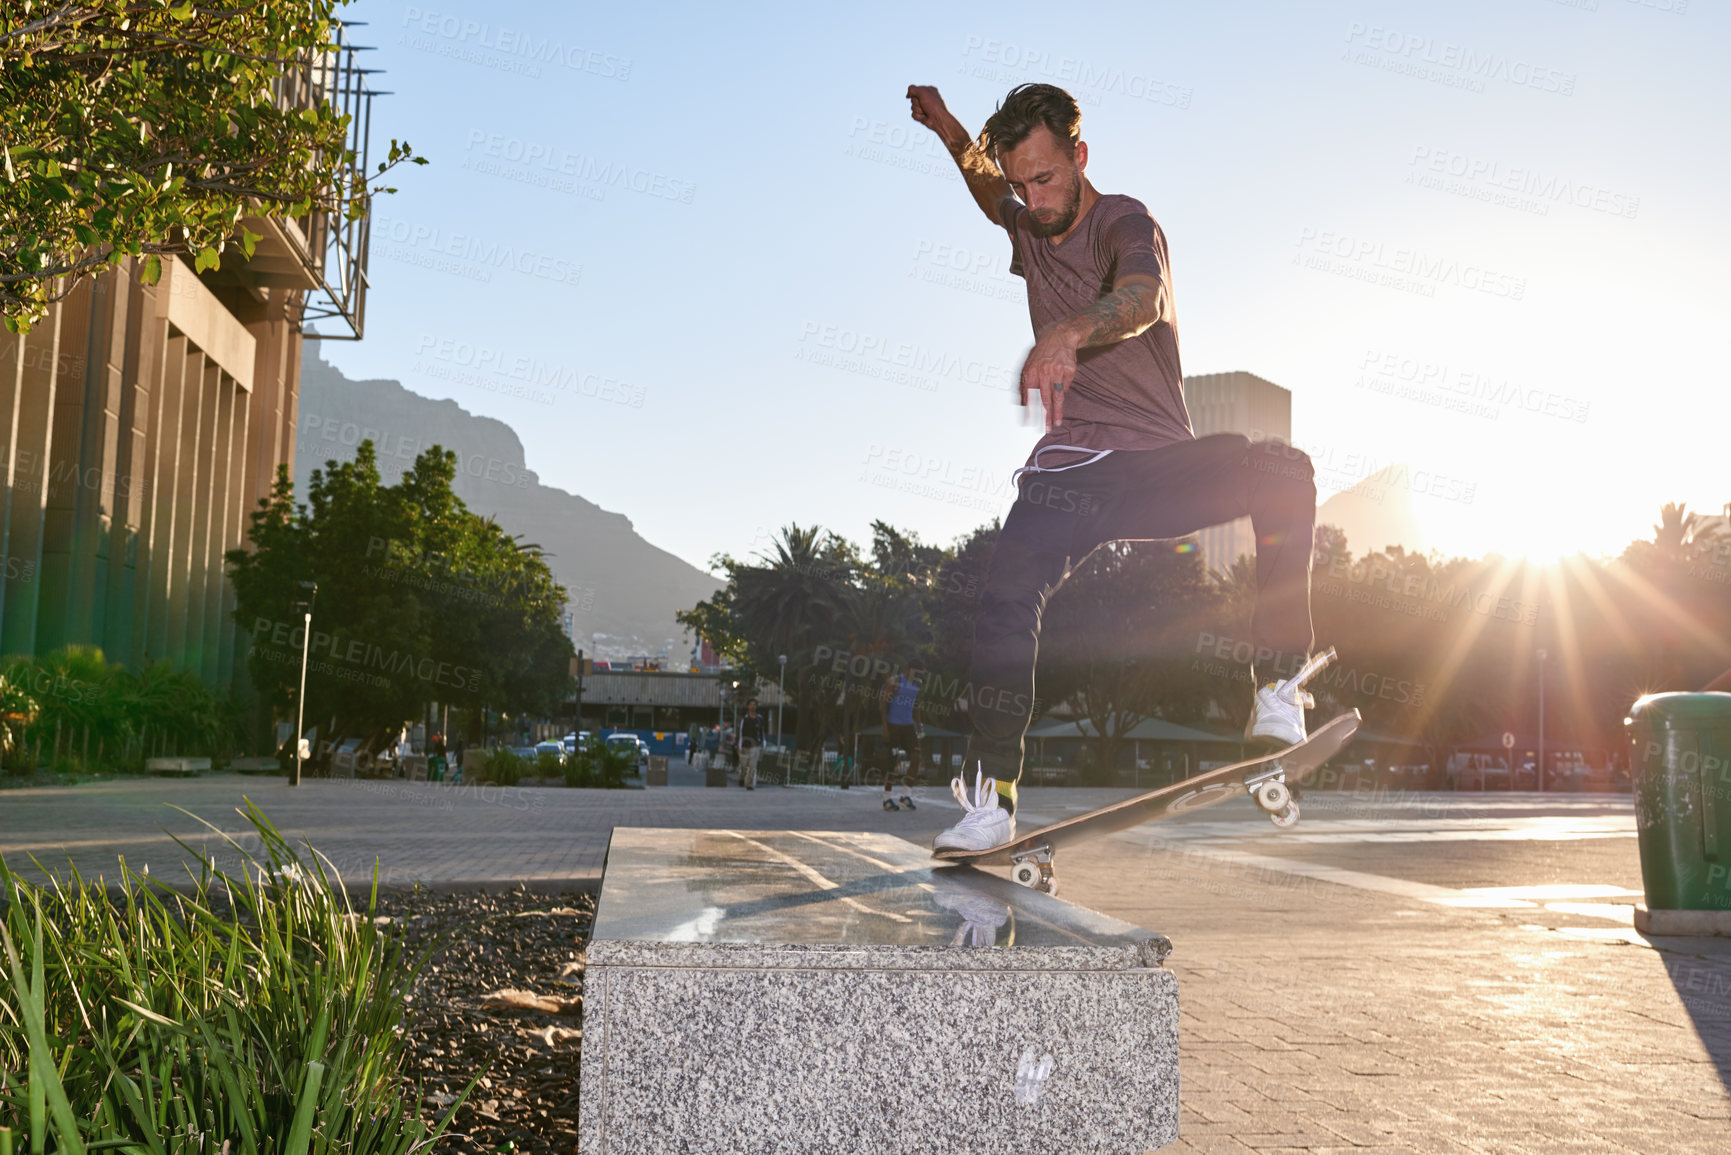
(554, 748)
(581, 740)
(630, 742)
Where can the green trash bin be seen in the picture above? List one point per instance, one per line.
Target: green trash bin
(1680, 769)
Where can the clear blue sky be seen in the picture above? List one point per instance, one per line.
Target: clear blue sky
(1486, 240)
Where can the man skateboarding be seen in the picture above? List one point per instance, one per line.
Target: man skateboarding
(1118, 461)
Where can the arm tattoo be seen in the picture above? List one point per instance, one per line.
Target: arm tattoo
(1122, 313)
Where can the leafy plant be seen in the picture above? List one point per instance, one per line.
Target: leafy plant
(152, 130)
(75, 711)
(600, 766)
(504, 766)
(255, 1012)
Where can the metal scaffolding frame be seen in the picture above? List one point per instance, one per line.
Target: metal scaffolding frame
(336, 246)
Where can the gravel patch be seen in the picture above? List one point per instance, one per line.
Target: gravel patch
(505, 995)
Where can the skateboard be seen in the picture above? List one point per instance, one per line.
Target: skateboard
(1268, 780)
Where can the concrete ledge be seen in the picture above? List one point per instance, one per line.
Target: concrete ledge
(807, 991)
(1701, 923)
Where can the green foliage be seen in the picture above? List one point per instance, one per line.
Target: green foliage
(152, 129)
(18, 708)
(83, 712)
(419, 600)
(257, 1011)
(600, 766)
(1433, 649)
(504, 766)
(813, 597)
(1119, 640)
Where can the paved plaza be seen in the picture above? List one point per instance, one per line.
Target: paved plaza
(1422, 973)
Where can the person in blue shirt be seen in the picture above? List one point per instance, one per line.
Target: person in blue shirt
(901, 732)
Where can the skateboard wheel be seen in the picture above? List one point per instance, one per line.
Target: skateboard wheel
(1026, 873)
(1273, 796)
(1050, 886)
(1286, 816)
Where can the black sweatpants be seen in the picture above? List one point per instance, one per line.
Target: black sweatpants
(902, 737)
(1061, 516)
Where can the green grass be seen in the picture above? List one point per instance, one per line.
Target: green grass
(256, 1012)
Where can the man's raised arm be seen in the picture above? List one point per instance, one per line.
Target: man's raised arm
(982, 176)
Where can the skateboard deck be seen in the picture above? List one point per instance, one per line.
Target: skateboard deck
(1267, 778)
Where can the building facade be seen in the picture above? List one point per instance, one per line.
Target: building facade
(1244, 403)
(140, 425)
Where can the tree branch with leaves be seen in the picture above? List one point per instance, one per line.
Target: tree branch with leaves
(152, 129)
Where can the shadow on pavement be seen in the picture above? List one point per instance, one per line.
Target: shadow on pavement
(1701, 975)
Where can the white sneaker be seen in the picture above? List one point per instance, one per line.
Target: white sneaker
(1277, 716)
(984, 823)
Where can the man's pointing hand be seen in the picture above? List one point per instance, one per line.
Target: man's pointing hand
(1049, 369)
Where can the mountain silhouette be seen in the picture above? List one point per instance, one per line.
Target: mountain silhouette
(623, 590)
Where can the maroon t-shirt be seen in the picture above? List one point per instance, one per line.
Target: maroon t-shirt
(1127, 395)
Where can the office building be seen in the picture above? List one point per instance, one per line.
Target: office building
(1244, 403)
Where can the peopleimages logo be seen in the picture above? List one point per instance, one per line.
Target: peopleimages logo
(531, 371)
(463, 34)
(903, 362)
(486, 148)
(1001, 61)
(359, 656)
(1372, 260)
(1387, 372)
(1429, 166)
(1427, 58)
(467, 249)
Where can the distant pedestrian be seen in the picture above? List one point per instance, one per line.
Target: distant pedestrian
(901, 732)
(751, 733)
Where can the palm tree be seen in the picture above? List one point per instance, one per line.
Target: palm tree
(794, 605)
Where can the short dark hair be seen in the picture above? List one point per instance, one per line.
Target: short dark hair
(751, 701)
(1027, 107)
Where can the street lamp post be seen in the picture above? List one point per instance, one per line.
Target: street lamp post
(577, 710)
(733, 724)
(1541, 767)
(780, 701)
(311, 590)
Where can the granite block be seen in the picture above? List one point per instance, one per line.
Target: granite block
(803, 991)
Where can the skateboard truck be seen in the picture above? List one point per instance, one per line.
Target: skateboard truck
(1033, 868)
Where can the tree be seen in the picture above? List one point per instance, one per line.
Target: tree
(793, 603)
(151, 128)
(419, 600)
(1118, 640)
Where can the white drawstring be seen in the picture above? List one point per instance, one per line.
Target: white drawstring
(1038, 468)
